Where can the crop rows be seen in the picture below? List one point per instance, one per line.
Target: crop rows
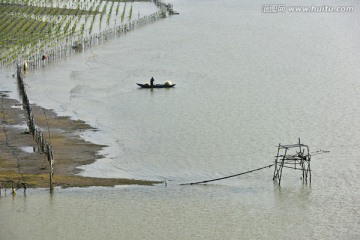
(32, 26)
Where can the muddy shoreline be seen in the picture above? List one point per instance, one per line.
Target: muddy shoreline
(21, 161)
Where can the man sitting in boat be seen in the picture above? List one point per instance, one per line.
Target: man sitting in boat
(152, 81)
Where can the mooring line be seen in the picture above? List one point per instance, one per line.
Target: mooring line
(235, 175)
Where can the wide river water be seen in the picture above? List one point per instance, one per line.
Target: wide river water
(246, 81)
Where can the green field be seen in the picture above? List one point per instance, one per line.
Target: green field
(28, 27)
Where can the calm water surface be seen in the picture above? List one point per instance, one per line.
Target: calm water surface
(246, 80)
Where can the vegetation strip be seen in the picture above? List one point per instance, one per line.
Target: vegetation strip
(30, 28)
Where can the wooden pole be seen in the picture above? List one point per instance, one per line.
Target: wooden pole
(282, 165)
(13, 191)
(276, 161)
(309, 171)
(51, 161)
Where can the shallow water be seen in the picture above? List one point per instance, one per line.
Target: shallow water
(257, 211)
(246, 80)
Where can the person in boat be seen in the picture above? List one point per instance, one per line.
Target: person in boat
(152, 81)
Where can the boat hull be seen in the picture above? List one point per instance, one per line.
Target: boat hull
(155, 86)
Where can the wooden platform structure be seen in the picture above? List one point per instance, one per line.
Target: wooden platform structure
(294, 156)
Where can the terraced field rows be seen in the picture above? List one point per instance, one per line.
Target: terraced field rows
(33, 26)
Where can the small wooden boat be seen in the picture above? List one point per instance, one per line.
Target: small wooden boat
(147, 85)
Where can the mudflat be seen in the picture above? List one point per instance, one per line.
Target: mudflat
(21, 161)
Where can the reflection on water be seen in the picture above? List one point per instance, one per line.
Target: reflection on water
(246, 81)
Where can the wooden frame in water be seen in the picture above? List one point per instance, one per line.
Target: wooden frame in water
(294, 156)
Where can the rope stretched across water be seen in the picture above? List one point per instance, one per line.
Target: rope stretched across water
(235, 175)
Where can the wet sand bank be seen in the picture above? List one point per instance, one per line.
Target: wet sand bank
(21, 161)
